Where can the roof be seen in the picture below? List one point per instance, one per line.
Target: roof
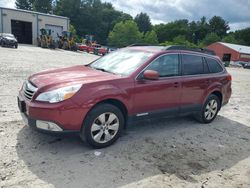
(148, 48)
(33, 12)
(173, 48)
(236, 47)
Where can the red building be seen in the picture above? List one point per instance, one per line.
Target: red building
(231, 52)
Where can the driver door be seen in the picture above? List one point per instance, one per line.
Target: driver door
(160, 96)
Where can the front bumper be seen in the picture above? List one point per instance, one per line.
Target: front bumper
(9, 43)
(38, 116)
(34, 125)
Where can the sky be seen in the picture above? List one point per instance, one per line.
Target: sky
(236, 12)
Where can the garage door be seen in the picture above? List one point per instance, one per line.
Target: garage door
(55, 29)
(22, 30)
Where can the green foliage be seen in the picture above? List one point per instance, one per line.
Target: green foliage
(167, 32)
(24, 4)
(150, 38)
(219, 26)
(193, 32)
(143, 22)
(44, 6)
(124, 34)
(91, 17)
(180, 40)
(230, 39)
(243, 36)
(211, 38)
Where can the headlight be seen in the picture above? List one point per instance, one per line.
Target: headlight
(58, 95)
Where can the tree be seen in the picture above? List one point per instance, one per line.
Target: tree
(91, 17)
(44, 6)
(150, 38)
(24, 4)
(167, 32)
(210, 38)
(243, 36)
(230, 39)
(202, 30)
(143, 22)
(219, 26)
(124, 34)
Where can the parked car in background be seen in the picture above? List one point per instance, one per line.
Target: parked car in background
(134, 83)
(82, 47)
(247, 65)
(101, 51)
(8, 40)
(91, 49)
(236, 64)
(241, 63)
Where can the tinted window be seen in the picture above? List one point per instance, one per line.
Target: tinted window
(167, 65)
(214, 66)
(192, 65)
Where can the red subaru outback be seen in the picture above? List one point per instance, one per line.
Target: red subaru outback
(138, 82)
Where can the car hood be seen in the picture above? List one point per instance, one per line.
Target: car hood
(77, 74)
(10, 38)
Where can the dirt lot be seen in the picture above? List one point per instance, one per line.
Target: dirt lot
(165, 153)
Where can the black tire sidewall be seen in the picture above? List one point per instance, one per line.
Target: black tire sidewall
(210, 97)
(92, 115)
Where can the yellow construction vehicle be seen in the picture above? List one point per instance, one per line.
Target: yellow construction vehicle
(45, 40)
(67, 41)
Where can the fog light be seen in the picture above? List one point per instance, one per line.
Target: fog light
(45, 125)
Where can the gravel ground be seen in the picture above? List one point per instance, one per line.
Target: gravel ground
(177, 152)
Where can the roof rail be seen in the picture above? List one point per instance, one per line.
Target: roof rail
(139, 44)
(200, 50)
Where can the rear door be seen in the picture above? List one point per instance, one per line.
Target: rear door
(153, 97)
(195, 82)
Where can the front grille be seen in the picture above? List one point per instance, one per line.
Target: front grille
(29, 90)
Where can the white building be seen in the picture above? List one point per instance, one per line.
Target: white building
(26, 25)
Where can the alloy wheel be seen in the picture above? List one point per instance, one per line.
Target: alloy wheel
(211, 109)
(105, 127)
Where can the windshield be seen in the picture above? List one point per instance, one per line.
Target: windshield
(8, 35)
(122, 62)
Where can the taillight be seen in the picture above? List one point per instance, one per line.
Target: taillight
(229, 77)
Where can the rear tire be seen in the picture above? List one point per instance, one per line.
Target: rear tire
(102, 126)
(209, 109)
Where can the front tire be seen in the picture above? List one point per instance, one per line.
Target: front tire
(102, 126)
(209, 110)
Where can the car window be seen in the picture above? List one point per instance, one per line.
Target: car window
(192, 64)
(122, 62)
(213, 65)
(167, 65)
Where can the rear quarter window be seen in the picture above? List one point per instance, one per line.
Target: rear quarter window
(214, 65)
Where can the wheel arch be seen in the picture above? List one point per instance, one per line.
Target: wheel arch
(217, 93)
(116, 102)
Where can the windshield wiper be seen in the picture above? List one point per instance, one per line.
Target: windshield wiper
(103, 70)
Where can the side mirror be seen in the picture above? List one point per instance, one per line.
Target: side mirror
(151, 75)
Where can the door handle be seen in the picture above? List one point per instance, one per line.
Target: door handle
(176, 84)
